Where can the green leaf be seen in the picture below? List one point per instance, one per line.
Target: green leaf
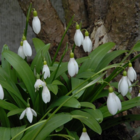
(85, 74)
(7, 105)
(108, 58)
(96, 57)
(4, 133)
(39, 58)
(14, 112)
(75, 82)
(53, 88)
(88, 120)
(23, 70)
(57, 82)
(16, 130)
(87, 104)
(137, 46)
(70, 103)
(73, 134)
(3, 118)
(50, 126)
(38, 44)
(97, 114)
(59, 128)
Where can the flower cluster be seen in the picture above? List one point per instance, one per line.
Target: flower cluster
(80, 40)
(124, 86)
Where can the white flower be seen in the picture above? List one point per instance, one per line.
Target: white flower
(36, 24)
(113, 103)
(27, 48)
(46, 96)
(1, 93)
(78, 37)
(131, 73)
(29, 113)
(38, 84)
(46, 70)
(139, 95)
(72, 66)
(20, 51)
(84, 135)
(87, 44)
(124, 85)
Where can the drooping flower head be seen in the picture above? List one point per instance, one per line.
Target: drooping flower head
(72, 65)
(113, 102)
(1, 93)
(39, 83)
(29, 112)
(87, 43)
(46, 70)
(131, 73)
(20, 50)
(124, 85)
(78, 37)
(26, 47)
(36, 24)
(46, 96)
(84, 135)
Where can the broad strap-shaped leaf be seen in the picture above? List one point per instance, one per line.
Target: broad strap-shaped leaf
(108, 58)
(56, 121)
(74, 103)
(4, 133)
(23, 71)
(73, 134)
(88, 105)
(137, 46)
(88, 120)
(16, 130)
(96, 56)
(15, 111)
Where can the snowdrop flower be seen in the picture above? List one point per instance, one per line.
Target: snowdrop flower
(139, 94)
(46, 70)
(84, 135)
(72, 66)
(26, 47)
(36, 24)
(29, 112)
(124, 85)
(20, 51)
(87, 44)
(46, 96)
(38, 84)
(78, 37)
(113, 102)
(131, 73)
(1, 93)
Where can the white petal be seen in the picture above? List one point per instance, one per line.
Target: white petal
(71, 67)
(27, 48)
(29, 114)
(131, 74)
(1, 93)
(46, 96)
(87, 44)
(129, 85)
(34, 112)
(20, 52)
(46, 71)
(78, 38)
(111, 104)
(22, 114)
(124, 86)
(119, 85)
(84, 136)
(36, 24)
(76, 66)
(139, 95)
(38, 84)
(118, 102)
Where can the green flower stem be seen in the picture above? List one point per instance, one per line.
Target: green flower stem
(45, 115)
(27, 19)
(69, 24)
(73, 47)
(63, 135)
